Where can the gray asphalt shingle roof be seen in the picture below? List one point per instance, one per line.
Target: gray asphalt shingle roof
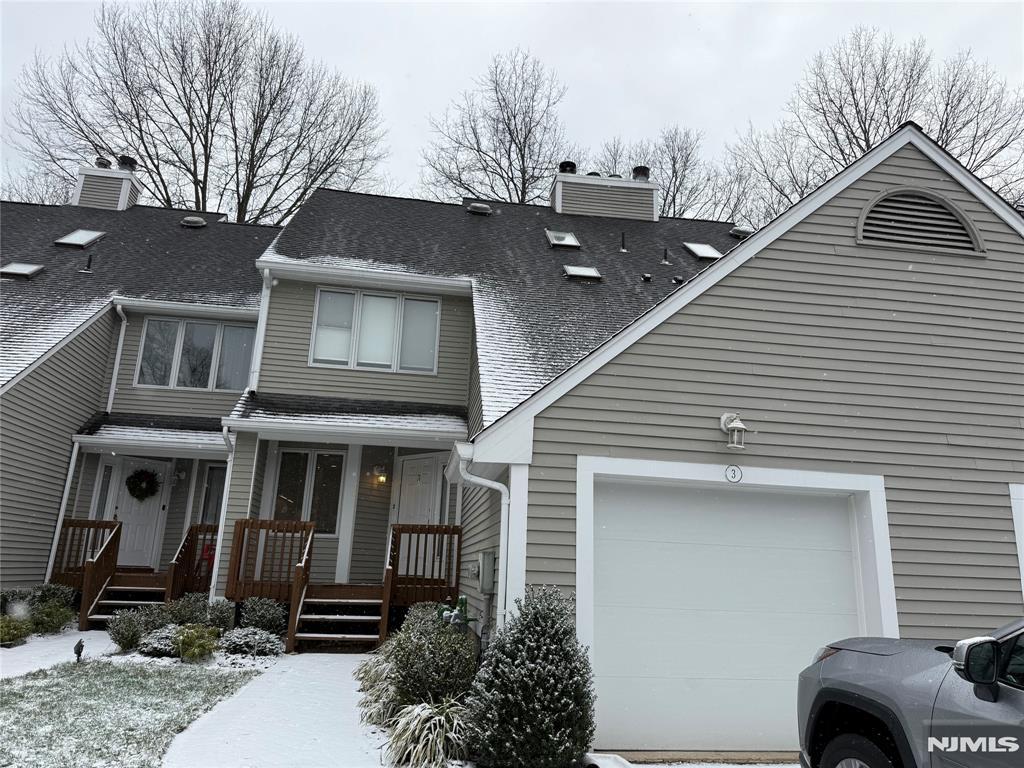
(145, 253)
(532, 323)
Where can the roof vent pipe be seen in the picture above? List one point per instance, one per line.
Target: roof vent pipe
(741, 232)
(567, 166)
(641, 173)
(479, 209)
(102, 162)
(593, 173)
(622, 248)
(126, 163)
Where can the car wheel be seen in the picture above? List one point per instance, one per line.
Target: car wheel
(853, 751)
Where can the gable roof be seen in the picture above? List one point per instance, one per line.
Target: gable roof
(510, 438)
(531, 321)
(145, 253)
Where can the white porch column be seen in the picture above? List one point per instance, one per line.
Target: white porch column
(72, 464)
(347, 524)
(518, 488)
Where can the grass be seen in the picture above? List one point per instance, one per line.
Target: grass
(98, 714)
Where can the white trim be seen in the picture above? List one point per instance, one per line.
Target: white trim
(190, 502)
(72, 463)
(494, 440)
(871, 544)
(458, 501)
(314, 431)
(122, 199)
(53, 350)
(222, 523)
(187, 309)
(364, 277)
(603, 181)
(117, 356)
(76, 195)
(347, 523)
(518, 488)
(256, 362)
(1017, 511)
(165, 448)
(95, 513)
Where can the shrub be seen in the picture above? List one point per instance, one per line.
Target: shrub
(190, 609)
(423, 613)
(125, 629)
(161, 642)
(532, 703)
(151, 618)
(431, 662)
(221, 614)
(379, 703)
(264, 613)
(250, 641)
(53, 593)
(50, 617)
(14, 600)
(13, 631)
(196, 641)
(427, 735)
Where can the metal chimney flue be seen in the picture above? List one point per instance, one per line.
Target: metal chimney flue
(102, 162)
(567, 166)
(126, 163)
(641, 173)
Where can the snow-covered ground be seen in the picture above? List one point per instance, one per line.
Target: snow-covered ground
(301, 711)
(42, 651)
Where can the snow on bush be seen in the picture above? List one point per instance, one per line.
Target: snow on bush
(431, 662)
(264, 613)
(532, 702)
(13, 630)
(221, 614)
(427, 735)
(125, 629)
(196, 641)
(251, 641)
(15, 601)
(190, 609)
(378, 704)
(53, 593)
(161, 642)
(50, 617)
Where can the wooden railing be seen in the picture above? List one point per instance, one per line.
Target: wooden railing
(98, 571)
(263, 558)
(425, 561)
(79, 541)
(299, 584)
(192, 566)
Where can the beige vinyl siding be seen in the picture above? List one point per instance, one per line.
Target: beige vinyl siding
(373, 509)
(38, 416)
(838, 358)
(239, 494)
(101, 192)
(161, 400)
(285, 364)
(177, 511)
(481, 532)
(590, 199)
(82, 485)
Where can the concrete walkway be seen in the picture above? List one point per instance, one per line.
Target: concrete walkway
(42, 651)
(300, 712)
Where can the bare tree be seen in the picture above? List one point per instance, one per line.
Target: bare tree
(501, 140)
(862, 89)
(222, 111)
(29, 185)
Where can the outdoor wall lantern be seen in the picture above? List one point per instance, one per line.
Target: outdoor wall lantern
(735, 429)
(380, 474)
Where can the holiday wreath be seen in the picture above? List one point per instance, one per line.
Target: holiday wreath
(142, 483)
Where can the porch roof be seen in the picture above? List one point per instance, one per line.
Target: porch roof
(381, 422)
(158, 435)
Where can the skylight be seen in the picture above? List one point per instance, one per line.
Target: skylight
(566, 239)
(82, 238)
(20, 269)
(703, 251)
(585, 272)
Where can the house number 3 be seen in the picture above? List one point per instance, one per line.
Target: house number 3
(733, 473)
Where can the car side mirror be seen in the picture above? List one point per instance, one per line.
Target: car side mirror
(976, 660)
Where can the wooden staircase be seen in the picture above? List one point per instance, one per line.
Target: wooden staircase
(127, 590)
(340, 617)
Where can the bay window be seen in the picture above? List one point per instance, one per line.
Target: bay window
(195, 354)
(375, 331)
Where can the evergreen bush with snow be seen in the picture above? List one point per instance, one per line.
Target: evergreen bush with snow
(532, 702)
(161, 642)
(53, 593)
(264, 613)
(431, 662)
(196, 641)
(13, 630)
(50, 617)
(251, 641)
(188, 609)
(125, 630)
(220, 614)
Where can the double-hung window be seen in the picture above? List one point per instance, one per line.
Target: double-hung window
(195, 354)
(376, 331)
(309, 488)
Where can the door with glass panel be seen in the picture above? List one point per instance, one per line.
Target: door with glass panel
(309, 484)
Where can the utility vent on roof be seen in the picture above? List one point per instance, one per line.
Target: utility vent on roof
(20, 269)
(80, 238)
(703, 251)
(585, 273)
(914, 219)
(565, 239)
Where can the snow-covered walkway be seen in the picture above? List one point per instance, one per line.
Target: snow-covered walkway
(300, 712)
(42, 651)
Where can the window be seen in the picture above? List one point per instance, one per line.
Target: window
(213, 493)
(99, 511)
(384, 332)
(309, 488)
(195, 354)
(1012, 655)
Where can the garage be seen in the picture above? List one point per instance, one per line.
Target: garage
(707, 602)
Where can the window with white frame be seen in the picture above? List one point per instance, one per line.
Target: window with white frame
(377, 331)
(309, 488)
(195, 354)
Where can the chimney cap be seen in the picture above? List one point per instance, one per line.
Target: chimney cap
(567, 166)
(103, 162)
(641, 173)
(127, 163)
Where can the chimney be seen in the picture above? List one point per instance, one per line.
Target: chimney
(101, 186)
(612, 196)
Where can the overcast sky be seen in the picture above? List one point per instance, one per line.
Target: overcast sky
(630, 68)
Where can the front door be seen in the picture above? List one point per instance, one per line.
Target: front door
(419, 494)
(141, 519)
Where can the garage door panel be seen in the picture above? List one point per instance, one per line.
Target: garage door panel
(666, 713)
(690, 576)
(670, 643)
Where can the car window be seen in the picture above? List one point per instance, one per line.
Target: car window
(1012, 653)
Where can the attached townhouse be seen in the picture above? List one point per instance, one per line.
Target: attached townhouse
(732, 447)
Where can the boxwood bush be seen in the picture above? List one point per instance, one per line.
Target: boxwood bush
(50, 617)
(251, 641)
(161, 642)
(264, 613)
(13, 631)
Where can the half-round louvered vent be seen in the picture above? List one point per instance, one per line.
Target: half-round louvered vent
(910, 218)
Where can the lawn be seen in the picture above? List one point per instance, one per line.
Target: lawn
(99, 714)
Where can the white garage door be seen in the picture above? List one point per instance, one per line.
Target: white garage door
(707, 604)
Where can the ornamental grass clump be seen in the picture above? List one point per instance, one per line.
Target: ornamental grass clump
(532, 702)
(427, 735)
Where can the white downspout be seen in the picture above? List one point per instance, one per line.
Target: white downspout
(261, 331)
(63, 507)
(117, 357)
(483, 482)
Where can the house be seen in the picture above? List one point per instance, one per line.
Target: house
(733, 447)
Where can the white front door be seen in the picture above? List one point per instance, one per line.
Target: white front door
(141, 519)
(419, 496)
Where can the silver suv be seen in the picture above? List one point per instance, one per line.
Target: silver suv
(881, 703)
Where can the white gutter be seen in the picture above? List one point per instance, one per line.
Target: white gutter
(295, 430)
(119, 308)
(367, 278)
(187, 309)
(181, 449)
(63, 509)
(261, 331)
(465, 451)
